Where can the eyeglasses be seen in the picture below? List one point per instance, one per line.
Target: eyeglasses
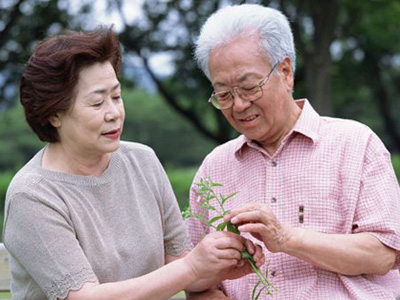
(224, 99)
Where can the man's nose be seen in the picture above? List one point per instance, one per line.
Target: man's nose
(239, 104)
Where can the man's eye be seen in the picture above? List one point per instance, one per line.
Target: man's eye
(222, 96)
(117, 97)
(250, 89)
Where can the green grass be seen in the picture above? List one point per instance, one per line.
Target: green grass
(396, 165)
(181, 179)
(5, 295)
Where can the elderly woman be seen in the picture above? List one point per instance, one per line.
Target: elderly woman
(90, 217)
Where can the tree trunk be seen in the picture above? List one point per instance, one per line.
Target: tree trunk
(314, 47)
(318, 85)
(381, 97)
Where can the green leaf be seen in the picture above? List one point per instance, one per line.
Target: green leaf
(221, 226)
(230, 196)
(232, 228)
(214, 219)
(253, 294)
(259, 293)
(246, 255)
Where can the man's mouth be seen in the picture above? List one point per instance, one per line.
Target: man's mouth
(248, 119)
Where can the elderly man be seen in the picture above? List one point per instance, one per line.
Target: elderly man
(318, 193)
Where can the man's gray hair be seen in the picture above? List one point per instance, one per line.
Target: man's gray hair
(240, 20)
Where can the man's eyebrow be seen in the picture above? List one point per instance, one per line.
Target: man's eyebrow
(241, 79)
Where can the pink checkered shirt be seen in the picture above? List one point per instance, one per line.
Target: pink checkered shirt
(341, 173)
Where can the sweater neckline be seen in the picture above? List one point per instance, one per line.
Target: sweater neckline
(104, 178)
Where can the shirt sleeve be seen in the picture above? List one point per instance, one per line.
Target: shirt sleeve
(378, 207)
(40, 237)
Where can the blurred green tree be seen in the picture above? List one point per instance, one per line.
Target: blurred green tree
(348, 60)
(149, 120)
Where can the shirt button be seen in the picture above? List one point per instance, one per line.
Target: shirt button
(274, 273)
(274, 163)
(273, 200)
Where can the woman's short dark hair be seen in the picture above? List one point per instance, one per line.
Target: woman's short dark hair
(51, 74)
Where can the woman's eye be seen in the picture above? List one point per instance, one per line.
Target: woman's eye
(117, 97)
(98, 104)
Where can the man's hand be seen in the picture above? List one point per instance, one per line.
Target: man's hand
(259, 220)
(347, 254)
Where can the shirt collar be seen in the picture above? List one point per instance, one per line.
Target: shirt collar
(307, 124)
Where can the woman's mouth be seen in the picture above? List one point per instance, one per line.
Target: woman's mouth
(112, 134)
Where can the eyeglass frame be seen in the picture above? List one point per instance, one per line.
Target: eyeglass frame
(233, 90)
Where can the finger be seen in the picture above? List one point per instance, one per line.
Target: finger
(224, 264)
(228, 234)
(228, 239)
(254, 216)
(241, 209)
(253, 228)
(229, 243)
(250, 247)
(228, 254)
(259, 256)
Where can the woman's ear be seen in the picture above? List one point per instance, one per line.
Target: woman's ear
(55, 121)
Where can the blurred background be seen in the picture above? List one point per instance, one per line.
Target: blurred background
(348, 66)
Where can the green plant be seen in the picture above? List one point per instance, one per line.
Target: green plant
(207, 194)
(396, 165)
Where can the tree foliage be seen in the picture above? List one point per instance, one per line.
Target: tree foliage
(149, 120)
(348, 54)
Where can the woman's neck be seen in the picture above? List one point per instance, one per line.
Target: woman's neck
(58, 158)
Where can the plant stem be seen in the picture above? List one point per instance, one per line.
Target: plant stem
(218, 200)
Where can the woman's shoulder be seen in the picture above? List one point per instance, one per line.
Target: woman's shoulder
(28, 177)
(138, 154)
(134, 147)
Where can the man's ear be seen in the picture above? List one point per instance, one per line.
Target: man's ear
(55, 121)
(287, 71)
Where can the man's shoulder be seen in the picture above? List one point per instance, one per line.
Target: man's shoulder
(350, 135)
(344, 128)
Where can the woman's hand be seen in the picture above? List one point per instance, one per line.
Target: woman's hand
(216, 252)
(218, 255)
(243, 268)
